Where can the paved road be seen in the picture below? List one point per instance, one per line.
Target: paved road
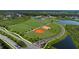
(36, 45)
(44, 41)
(18, 37)
(29, 44)
(8, 41)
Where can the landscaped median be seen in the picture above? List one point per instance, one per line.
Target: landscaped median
(4, 45)
(25, 43)
(19, 42)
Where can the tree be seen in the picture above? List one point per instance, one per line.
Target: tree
(21, 43)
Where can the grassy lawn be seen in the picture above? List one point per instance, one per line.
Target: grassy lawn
(47, 34)
(24, 28)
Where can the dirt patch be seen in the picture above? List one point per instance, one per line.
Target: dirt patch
(39, 31)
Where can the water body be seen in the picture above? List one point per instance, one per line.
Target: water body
(67, 43)
(68, 22)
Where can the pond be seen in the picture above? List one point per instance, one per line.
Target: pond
(67, 43)
(68, 22)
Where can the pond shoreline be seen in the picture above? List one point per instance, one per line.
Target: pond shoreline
(68, 22)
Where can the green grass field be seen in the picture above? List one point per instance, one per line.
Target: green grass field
(47, 34)
(25, 25)
(25, 29)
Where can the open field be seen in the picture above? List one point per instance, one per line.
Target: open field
(47, 34)
(27, 29)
